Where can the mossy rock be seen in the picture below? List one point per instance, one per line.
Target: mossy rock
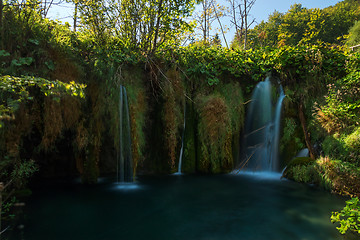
(291, 138)
(303, 161)
(300, 169)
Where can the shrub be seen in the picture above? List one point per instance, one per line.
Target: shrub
(352, 141)
(303, 173)
(334, 147)
(348, 217)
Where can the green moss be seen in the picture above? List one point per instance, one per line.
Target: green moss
(138, 107)
(291, 142)
(333, 146)
(189, 154)
(157, 161)
(172, 116)
(232, 93)
(301, 169)
(303, 173)
(220, 115)
(333, 175)
(133, 78)
(301, 161)
(214, 127)
(352, 141)
(339, 176)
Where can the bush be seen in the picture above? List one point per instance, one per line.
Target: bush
(352, 141)
(303, 173)
(354, 36)
(349, 217)
(342, 104)
(334, 147)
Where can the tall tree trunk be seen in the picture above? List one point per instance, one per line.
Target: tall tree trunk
(246, 24)
(75, 15)
(221, 27)
(157, 25)
(237, 31)
(1, 26)
(44, 9)
(205, 19)
(305, 131)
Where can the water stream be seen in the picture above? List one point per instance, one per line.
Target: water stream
(182, 142)
(124, 161)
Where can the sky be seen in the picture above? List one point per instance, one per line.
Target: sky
(263, 8)
(260, 11)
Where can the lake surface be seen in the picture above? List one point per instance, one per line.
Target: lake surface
(185, 207)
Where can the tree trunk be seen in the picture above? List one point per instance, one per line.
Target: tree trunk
(246, 24)
(1, 26)
(237, 31)
(221, 27)
(305, 131)
(205, 19)
(157, 25)
(75, 15)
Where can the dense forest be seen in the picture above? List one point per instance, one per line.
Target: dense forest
(60, 88)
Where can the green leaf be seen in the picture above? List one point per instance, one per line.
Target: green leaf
(34, 41)
(50, 65)
(15, 62)
(4, 53)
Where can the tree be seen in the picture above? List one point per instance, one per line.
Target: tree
(341, 18)
(263, 34)
(240, 13)
(93, 19)
(210, 12)
(293, 25)
(216, 40)
(140, 24)
(309, 26)
(151, 24)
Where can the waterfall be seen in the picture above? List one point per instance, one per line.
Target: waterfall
(124, 162)
(275, 145)
(182, 142)
(262, 130)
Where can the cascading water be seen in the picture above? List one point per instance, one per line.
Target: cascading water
(262, 129)
(275, 145)
(124, 163)
(182, 142)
